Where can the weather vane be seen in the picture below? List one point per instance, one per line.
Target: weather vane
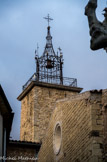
(48, 19)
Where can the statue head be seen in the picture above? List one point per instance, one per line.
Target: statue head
(98, 30)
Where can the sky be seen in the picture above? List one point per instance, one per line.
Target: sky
(22, 26)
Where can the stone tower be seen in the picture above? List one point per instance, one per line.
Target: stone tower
(42, 90)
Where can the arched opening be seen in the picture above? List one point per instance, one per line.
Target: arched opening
(57, 138)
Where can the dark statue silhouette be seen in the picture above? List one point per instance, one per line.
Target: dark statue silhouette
(98, 30)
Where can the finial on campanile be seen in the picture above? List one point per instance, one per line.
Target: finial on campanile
(48, 19)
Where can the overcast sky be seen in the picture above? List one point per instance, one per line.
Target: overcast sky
(22, 26)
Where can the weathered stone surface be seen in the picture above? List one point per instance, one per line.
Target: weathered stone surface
(82, 117)
(78, 117)
(104, 112)
(22, 151)
(37, 107)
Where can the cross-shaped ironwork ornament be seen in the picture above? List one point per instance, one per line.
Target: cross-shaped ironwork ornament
(48, 19)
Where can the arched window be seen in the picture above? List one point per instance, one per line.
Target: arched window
(57, 138)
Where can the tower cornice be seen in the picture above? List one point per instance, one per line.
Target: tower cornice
(47, 85)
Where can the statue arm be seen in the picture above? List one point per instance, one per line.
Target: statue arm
(90, 12)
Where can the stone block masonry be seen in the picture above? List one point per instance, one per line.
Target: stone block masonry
(81, 136)
(37, 105)
(21, 151)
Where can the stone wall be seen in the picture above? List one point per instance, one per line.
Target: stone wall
(37, 107)
(27, 118)
(81, 123)
(22, 151)
(104, 111)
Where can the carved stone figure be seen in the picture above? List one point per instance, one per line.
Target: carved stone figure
(98, 30)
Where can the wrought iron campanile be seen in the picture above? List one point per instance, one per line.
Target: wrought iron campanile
(49, 65)
(42, 90)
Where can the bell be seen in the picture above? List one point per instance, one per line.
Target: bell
(49, 64)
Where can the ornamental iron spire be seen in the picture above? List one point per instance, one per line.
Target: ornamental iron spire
(49, 66)
(48, 37)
